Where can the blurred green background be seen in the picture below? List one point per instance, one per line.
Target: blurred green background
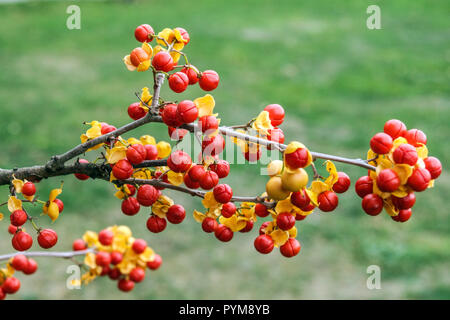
(338, 81)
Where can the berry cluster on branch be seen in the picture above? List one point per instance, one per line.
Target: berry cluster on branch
(141, 168)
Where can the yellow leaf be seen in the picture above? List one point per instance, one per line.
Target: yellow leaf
(403, 171)
(167, 34)
(18, 184)
(199, 216)
(422, 152)
(128, 64)
(279, 237)
(89, 260)
(333, 177)
(292, 232)
(147, 48)
(14, 204)
(389, 207)
(162, 205)
(262, 123)
(115, 154)
(209, 201)
(1, 216)
(142, 174)
(175, 178)
(234, 222)
(205, 105)
(143, 66)
(284, 206)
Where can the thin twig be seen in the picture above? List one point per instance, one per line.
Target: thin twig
(65, 255)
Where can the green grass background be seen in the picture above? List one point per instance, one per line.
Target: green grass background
(338, 81)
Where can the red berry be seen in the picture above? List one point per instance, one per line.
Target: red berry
(209, 180)
(125, 285)
(372, 204)
(60, 204)
(228, 209)
(300, 199)
(197, 172)
(405, 202)
(192, 75)
(135, 111)
(178, 82)
(19, 262)
(105, 271)
(176, 214)
(116, 257)
(106, 128)
(138, 55)
(297, 159)
(223, 193)
(221, 167)
(212, 146)
(248, 227)
(81, 176)
(308, 207)
(263, 226)
(388, 180)
(252, 156)
(114, 273)
(276, 114)
(151, 152)
(130, 206)
(381, 143)
(416, 137)
(364, 186)
(290, 248)
(139, 246)
(18, 218)
(177, 134)
(208, 124)
(264, 244)
(103, 259)
(209, 80)
(29, 189)
(144, 33)
(405, 153)
(12, 229)
(209, 224)
(419, 179)
(131, 190)
(137, 274)
(261, 210)
(299, 217)
(31, 267)
(136, 153)
(187, 111)
(395, 128)
(403, 215)
(179, 161)
(122, 169)
(190, 183)
(434, 166)
(22, 241)
(147, 195)
(11, 285)
(170, 115)
(156, 224)
(342, 184)
(275, 135)
(328, 201)
(106, 237)
(162, 61)
(285, 221)
(223, 233)
(184, 35)
(79, 245)
(156, 263)
(47, 238)
(2, 294)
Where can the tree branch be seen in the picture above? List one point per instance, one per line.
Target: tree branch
(65, 255)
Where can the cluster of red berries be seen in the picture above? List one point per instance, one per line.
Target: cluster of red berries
(10, 285)
(114, 262)
(390, 187)
(163, 61)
